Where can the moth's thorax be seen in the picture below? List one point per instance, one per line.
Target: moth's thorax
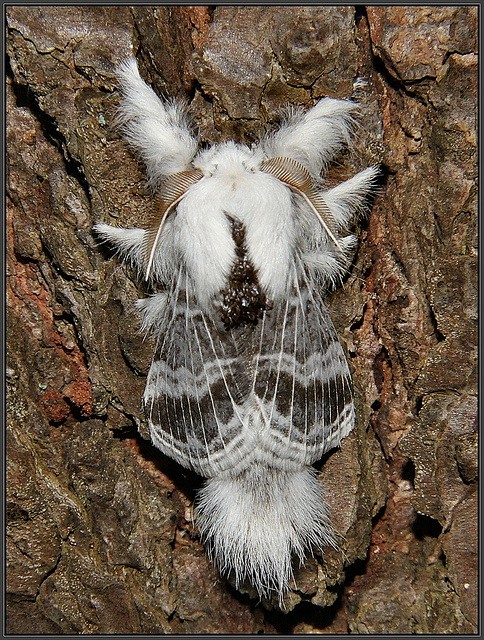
(234, 189)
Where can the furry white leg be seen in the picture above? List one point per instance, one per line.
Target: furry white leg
(253, 524)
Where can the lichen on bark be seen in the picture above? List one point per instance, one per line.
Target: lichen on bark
(99, 530)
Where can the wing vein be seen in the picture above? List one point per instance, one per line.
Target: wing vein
(234, 405)
(202, 424)
(212, 401)
(281, 351)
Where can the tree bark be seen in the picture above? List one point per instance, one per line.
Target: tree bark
(99, 530)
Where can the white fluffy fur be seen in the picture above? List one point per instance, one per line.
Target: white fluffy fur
(348, 198)
(203, 230)
(128, 242)
(254, 520)
(253, 523)
(315, 136)
(149, 310)
(157, 130)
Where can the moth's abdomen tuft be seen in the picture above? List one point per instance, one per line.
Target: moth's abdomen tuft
(253, 523)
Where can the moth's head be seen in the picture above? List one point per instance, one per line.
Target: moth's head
(228, 158)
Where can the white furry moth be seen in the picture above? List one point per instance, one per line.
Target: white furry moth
(249, 385)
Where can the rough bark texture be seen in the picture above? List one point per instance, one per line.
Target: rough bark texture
(100, 538)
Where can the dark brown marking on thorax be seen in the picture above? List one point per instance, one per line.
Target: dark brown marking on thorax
(243, 301)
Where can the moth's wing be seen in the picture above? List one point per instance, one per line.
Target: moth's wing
(279, 391)
(303, 380)
(196, 389)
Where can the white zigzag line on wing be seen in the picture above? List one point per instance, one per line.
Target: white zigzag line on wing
(239, 440)
(251, 442)
(182, 381)
(192, 385)
(290, 364)
(329, 434)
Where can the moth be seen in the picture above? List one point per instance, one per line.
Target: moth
(249, 385)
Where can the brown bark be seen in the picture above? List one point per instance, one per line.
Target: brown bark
(99, 533)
